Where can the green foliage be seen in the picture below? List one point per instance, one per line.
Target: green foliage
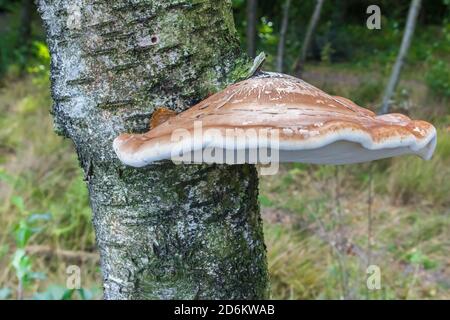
(266, 32)
(264, 201)
(41, 64)
(268, 39)
(326, 53)
(366, 92)
(28, 226)
(18, 54)
(8, 55)
(22, 264)
(238, 4)
(13, 54)
(438, 78)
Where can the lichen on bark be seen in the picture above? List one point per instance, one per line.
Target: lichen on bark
(164, 231)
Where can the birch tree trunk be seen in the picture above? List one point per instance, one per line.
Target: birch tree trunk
(26, 11)
(282, 40)
(165, 231)
(25, 20)
(298, 66)
(251, 27)
(414, 9)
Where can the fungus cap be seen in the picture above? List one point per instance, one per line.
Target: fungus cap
(311, 126)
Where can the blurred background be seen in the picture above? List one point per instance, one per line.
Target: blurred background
(324, 225)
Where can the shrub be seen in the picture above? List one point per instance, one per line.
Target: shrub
(438, 78)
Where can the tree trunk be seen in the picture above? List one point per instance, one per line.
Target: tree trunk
(298, 66)
(251, 27)
(25, 21)
(165, 231)
(338, 14)
(24, 41)
(282, 40)
(406, 42)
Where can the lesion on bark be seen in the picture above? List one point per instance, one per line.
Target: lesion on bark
(164, 231)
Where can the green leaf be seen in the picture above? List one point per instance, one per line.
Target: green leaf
(68, 294)
(42, 51)
(22, 264)
(18, 203)
(237, 3)
(87, 294)
(419, 258)
(23, 234)
(83, 294)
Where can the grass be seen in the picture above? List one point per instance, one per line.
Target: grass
(410, 239)
(409, 243)
(39, 170)
(315, 216)
(410, 208)
(413, 180)
(294, 263)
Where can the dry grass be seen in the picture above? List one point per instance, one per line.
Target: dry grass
(314, 251)
(40, 169)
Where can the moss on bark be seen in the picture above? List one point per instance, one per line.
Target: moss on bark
(164, 231)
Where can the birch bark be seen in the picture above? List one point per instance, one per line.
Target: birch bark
(164, 231)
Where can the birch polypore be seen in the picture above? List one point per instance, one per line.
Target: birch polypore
(311, 126)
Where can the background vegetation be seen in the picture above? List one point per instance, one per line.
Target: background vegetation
(323, 224)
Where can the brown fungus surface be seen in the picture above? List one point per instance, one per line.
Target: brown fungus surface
(312, 126)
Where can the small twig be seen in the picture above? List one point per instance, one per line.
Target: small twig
(334, 250)
(257, 64)
(369, 220)
(20, 290)
(339, 234)
(413, 281)
(337, 197)
(369, 216)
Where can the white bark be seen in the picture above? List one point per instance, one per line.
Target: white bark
(282, 40)
(406, 42)
(164, 231)
(308, 37)
(251, 27)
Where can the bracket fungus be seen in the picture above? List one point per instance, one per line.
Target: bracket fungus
(295, 120)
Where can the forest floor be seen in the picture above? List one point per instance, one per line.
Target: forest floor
(316, 217)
